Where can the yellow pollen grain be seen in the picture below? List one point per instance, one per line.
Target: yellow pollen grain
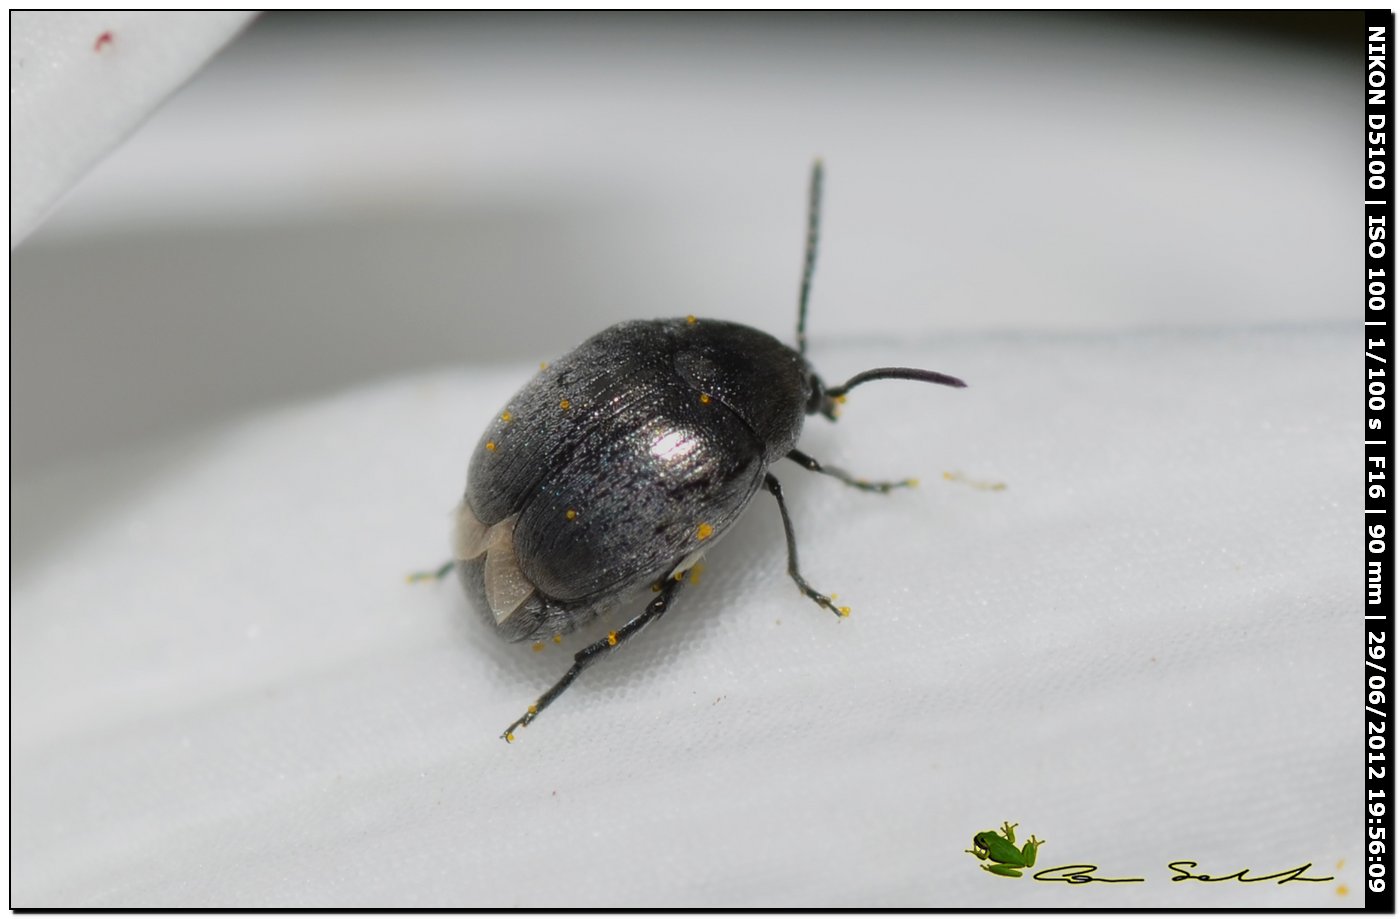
(558, 638)
(912, 483)
(537, 646)
(491, 445)
(680, 575)
(544, 365)
(833, 596)
(695, 573)
(704, 398)
(691, 320)
(1342, 890)
(510, 738)
(570, 514)
(704, 531)
(506, 416)
(564, 404)
(840, 400)
(533, 710)
(844, 611)
(612, 638)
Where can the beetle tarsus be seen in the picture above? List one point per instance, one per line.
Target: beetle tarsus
(595, 652)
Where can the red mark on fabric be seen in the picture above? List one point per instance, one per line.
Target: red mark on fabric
(105, 38)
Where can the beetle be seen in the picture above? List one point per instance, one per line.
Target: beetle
(620, 464)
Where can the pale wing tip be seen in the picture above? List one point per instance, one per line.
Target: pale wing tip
(507, 588)
(471, 536)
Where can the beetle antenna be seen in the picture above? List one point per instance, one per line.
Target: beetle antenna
(895, 373)
(809, 259)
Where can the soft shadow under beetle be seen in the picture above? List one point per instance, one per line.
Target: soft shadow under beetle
(621, 463)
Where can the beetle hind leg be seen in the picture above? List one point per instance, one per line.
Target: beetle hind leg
(884, 488)
(437, 574)
(596, 652)
(812, 593)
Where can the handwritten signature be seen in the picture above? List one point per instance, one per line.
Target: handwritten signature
(1084, 874)
(1283, 877)
(1080, 874)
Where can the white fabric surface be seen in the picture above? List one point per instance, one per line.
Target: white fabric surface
(1144, 649)
(80, 81)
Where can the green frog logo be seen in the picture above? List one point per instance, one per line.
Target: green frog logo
(1000, 850)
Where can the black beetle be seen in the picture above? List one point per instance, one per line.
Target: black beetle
(621, 463)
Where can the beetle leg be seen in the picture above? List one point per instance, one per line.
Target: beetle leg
(435, 575)
(816, 596)
(807, 462)
(596, 651)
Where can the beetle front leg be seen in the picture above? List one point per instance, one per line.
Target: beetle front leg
(816, 596)
(595, 652)
(807, 462)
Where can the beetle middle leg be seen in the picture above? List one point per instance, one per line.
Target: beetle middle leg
(821, 599)
(596, 651)
(807, 462)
